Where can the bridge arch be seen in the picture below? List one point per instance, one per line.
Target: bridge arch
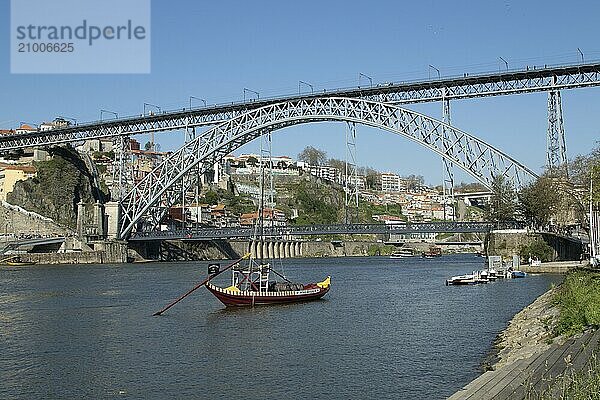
(161, 188)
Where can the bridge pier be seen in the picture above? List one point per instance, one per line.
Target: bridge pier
(293, 250)
(287, 249)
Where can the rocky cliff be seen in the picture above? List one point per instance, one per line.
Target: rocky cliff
(58, 186)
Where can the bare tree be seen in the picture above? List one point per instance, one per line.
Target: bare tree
(312, 156)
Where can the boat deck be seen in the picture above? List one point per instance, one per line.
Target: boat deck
(530, 377)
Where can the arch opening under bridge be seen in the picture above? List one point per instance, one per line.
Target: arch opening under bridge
(161, 188)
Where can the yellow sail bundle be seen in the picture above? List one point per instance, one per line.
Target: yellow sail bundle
(325, 284)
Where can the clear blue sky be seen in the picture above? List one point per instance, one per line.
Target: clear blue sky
(215, 49)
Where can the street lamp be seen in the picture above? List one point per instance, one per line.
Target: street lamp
(360, 74)
(581, 54)
(505, 63)
(307, 84)
(251, 91)
(108, 112)
(197, 98)
(438, 72)
(151, 105)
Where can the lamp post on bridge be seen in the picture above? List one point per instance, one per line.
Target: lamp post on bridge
(108, 112)
(438, 72)
(360, 74)
(197, 98)
(152, 133)
(307, 84)
(147, 105)
(505, 63)
(251, 91)
(581, 54)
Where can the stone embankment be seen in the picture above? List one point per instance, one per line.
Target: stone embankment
(529, 332)
(16, 222)
(555, 267)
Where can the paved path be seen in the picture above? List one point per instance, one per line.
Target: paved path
(533, 375)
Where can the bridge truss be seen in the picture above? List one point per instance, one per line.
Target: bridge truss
(335, 229)
(154, 194)
(506, 83)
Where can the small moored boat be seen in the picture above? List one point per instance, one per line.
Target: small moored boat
(16, 261)
(468, 279)
(432, 252)
(518, 274)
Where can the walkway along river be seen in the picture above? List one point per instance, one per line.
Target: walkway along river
(388, 329)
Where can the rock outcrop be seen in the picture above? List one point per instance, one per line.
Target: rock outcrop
(58, 186)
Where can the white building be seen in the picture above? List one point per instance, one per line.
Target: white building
(391, 182)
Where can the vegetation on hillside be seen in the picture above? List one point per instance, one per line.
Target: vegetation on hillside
(367, 210)
(237, 204)
(578, 300)
(316, 204)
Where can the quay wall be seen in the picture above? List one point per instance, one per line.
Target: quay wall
(103, 253)
(16, 222)
(183, 250)
(556, 267)
(509, 243)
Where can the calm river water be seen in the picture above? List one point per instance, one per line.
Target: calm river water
(388, 329)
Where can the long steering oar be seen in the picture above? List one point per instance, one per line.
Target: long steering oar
(204, 282)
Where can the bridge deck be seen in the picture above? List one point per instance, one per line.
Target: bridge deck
(210, 233)
(535, 375)
(529, 80)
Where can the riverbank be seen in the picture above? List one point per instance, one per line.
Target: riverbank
(530, 331)
(549, 349)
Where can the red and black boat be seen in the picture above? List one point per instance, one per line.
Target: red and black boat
(232, 296)
(251, 286)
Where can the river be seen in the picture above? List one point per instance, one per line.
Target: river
(388, 329)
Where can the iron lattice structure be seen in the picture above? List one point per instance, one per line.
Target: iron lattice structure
(506, 83)
(447, 167)
(556, 152)
(153, 195)
(210, 233)
(351, 184)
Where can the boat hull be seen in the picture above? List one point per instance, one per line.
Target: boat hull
(240, 299)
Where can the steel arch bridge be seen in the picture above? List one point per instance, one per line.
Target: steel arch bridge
(162, 188)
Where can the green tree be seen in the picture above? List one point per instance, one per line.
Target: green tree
(312, 156)
(539, 249)
(253, 161)
(211, 197)
(503, 202)
(337, 164)
(538, 200)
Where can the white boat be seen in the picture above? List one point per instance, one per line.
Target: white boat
(468, 279)
(403, 253)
